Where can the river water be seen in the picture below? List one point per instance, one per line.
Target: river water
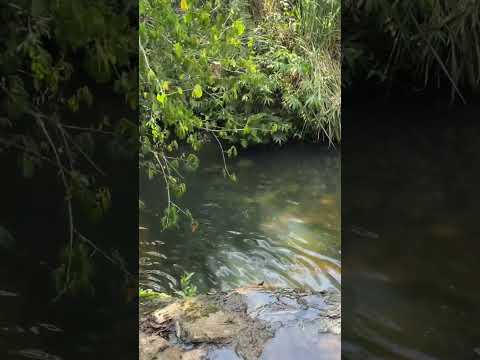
(410, 249)
(279, 223)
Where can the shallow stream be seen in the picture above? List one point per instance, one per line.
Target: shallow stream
(279, 223)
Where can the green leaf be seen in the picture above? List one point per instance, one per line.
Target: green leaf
(232, 151)
(151, 75)
(178, 49)
(150, 173)
(103, 197)
(197, 91)
(151, 294)
(239, 27)
(170, 217)
(165, 85)
(192, 162)
(184, 5)
(161, 98)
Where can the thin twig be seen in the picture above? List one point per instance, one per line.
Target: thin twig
(172, 167)
(41, 124)
(167, 186)
(88, 129)
(147, 63)
(223, 154)
(95, 166)
(96, 248)
(70, 210)
(179, 208)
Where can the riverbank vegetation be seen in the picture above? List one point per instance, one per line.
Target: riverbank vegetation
(185, 289)
(425, 44)
(68, 120)
(235, 73)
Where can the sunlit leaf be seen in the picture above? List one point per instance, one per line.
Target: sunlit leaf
(239, 27)
(161, 98)
(197, 91)
(184, 5)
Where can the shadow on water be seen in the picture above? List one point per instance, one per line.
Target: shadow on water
(410, 245)
(279, 223)
(32, 324)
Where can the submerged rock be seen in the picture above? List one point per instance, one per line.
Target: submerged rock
(248, 323)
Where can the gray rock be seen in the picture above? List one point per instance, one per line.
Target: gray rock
(255, 322)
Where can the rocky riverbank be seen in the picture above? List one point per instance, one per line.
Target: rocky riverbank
(255, 322)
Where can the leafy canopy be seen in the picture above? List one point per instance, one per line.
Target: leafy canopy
(209, 73)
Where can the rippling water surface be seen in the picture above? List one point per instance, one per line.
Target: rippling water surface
(280, 223)
(410, 242)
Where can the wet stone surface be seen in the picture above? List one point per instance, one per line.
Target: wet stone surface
(246, 323)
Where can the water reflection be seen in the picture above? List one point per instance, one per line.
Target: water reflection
(279, 224)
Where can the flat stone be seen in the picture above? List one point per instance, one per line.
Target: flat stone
(172, 353)
(151, 346)
(215, 327)
(249, 323)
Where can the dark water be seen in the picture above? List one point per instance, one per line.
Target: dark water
(34, 323)
(280, 223)
(411, 255)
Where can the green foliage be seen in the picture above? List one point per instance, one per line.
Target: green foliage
(431, 42)
(320, 22)
(151, 294)
(75, 273)
(208, 73)
(187, 289)
(55, 57)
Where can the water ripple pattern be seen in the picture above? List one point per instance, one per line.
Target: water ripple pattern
(280, 223)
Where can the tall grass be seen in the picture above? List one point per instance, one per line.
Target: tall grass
(301, 40)
(436, 41)
(326, 85)
(320, 32)
(310, 81)
(320, 22)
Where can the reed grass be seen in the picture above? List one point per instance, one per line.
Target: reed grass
(436, 41)
(321, 32)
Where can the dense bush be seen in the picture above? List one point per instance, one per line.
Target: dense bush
(217, 71)
(57, 57)
(434, 42)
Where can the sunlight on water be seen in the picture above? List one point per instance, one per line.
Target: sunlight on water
(280, 223)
